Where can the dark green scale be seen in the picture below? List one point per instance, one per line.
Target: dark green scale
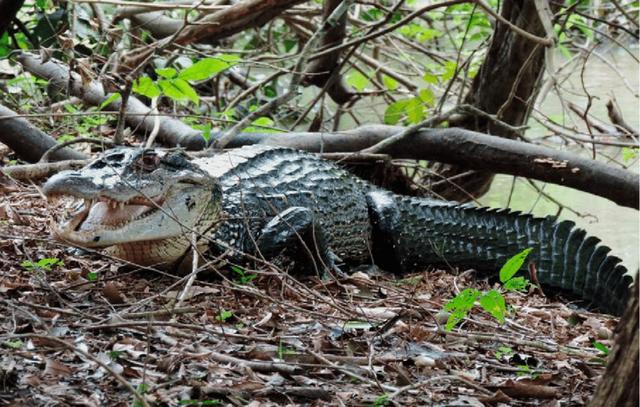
(273, 197)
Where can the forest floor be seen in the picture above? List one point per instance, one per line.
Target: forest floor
(82, 330)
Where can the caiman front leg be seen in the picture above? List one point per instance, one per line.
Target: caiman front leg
(296, 232)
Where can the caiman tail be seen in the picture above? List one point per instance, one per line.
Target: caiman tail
(414, 232)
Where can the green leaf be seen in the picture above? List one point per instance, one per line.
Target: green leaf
(92, 276)
(463, 301)
(14, 344)
(628, 154)
(601, 347)
(146, 87)
(430, 78)
(112, 98)
(449, 70)
(224, 315)
(205, 129)
(426, 96)
(512, 265)
(170, 90)
(455, 318)
(395, 111)
(115, 354)
(357, 80)
(414, 110)
(46, 264)
(208, 67)
(187, 90)
(166, 72)
(516, 284)
(389, 82)
(493, 302)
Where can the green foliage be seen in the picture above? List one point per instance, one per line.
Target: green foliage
(381, 401)
(419, 32)
(357, 80)
(198, 403)
(459, 306)
(224, 315)
(242, 276)
(92, 276)
(205, 129)
(629, 154)
(283, 351)
(142, 389)
(46, 264)
(14, 344)
(115, 354)
(491, 301)
(112, 98)
(601, 347)
(412, 109)
(511, 267)
(504, 351)
(526, 370)
(175, 84)
(262, 124)
(85, 125)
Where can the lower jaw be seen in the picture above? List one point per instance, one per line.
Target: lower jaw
(153, 253)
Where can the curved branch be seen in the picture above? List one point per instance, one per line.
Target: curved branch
(476, 151)
(27, 141)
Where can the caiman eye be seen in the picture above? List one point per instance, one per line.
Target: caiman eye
(148, 162)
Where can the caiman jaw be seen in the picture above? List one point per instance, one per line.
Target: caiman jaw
(93, 216)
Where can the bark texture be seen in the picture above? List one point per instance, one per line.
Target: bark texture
(323, 69)
(619, 385)
(507, 83)
(28, 142)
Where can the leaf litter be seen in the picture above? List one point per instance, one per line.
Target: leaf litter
(84, 330)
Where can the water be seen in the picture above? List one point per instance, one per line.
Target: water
(618, 227)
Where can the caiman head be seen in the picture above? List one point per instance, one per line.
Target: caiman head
(141, 204)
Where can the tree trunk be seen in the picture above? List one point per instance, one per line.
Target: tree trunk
(619, 385)
(512, 62)
(9, 10)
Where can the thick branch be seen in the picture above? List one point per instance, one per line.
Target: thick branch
(234, 19)
(320, 70)
(27, 141)
(171, 131)
(477, 151)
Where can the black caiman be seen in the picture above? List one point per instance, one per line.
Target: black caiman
(145, 206)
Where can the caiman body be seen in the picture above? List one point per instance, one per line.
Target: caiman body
(147, 206)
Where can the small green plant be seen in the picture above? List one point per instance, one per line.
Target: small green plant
(46, 264)
(491, 301)
(381, 401)
(526, 370)
(601, 347)
(198, 403)
(283, 351)
(242, 276)
(628, 154)
(142, 389)
(504, 351)
(176, 85)
(115, 354)
(224, 315)
(92, 276)
(14, 344)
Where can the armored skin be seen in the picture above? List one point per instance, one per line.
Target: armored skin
(145, 206)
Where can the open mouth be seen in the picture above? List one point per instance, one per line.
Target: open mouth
(103, 213)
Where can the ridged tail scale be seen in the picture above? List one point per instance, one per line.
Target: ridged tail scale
(415, 232)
